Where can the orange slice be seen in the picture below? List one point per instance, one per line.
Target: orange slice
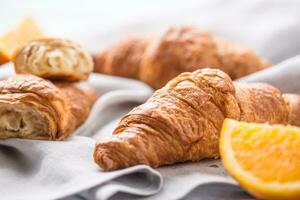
(264, 159)
(26, 30)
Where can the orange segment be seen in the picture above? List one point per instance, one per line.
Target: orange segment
(26, 30)
(264, 159)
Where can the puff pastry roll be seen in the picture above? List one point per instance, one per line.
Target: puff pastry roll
(181, 122)
(54, 59)
(186, 49)
(34, 108)
(122, 59)
(157, 60)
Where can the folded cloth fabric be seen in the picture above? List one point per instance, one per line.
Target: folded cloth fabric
(32, 169)
(285, 76)
(51, 170)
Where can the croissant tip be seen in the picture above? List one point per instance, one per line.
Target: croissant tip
(104, 160)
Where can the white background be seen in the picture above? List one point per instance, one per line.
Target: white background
(270, 27)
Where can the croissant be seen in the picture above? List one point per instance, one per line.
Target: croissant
(122, 59)
(184, 49)
(181, 121)
(54, 59)
(34, 108)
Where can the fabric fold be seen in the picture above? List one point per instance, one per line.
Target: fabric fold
(52, 170)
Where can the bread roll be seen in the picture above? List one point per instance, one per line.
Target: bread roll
(54, 59)
(34, 108)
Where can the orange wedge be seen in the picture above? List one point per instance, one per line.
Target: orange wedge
(26, 30)
(264, 159)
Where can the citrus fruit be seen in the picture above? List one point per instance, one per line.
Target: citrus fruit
(263, 158)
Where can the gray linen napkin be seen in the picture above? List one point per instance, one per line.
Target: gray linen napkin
(49, 170)
(33, 169)
(285, 76)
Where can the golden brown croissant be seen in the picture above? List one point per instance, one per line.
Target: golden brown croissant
(54, 59)
(181, 122)
(182, 49)
(34, 108)
(122, 59)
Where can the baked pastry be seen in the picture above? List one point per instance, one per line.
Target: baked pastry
(176, 51)
(34, 108)
(293, 101)
(183, 49)
(237, 61)
(54, 59)
(182, 121)
(122, 59)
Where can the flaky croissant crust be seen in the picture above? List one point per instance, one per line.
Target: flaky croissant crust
(181, 122)
(181, 49)
(55, 59)
(123, 59)
(34, 108)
